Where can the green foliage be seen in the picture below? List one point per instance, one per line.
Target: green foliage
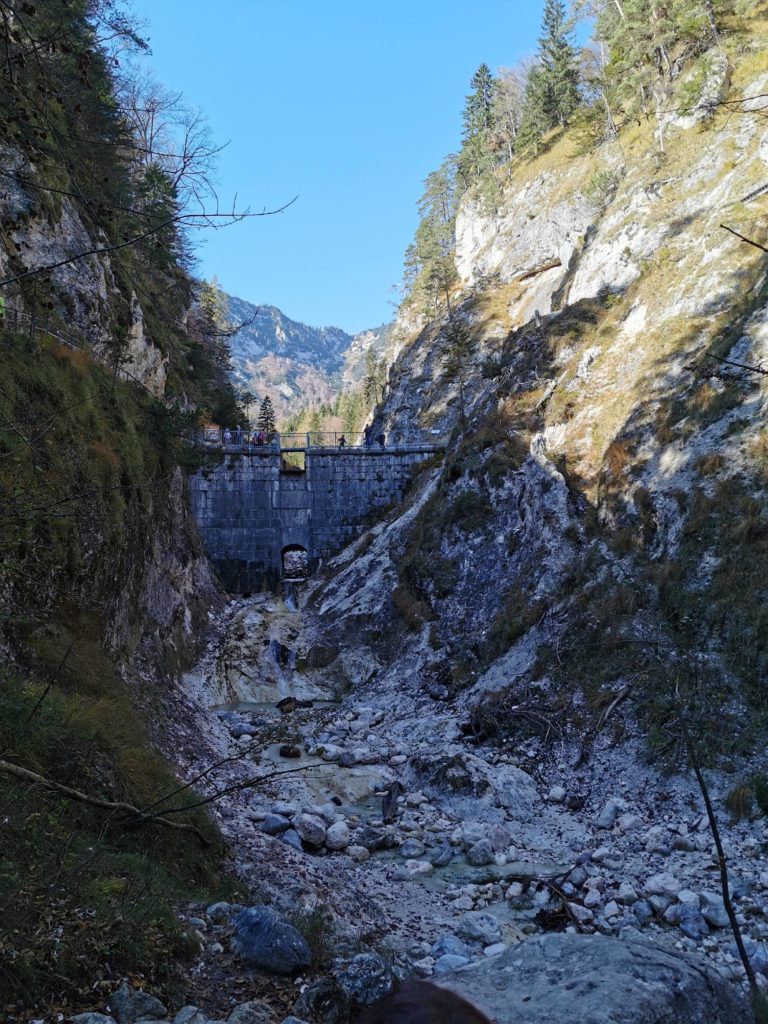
(601, 187)
(648, 43)
(316, 925)
(557, 57)
(106, 891)
(430, 268)
(552, 88)
(266, 420)
(374, 379)
(477, 157)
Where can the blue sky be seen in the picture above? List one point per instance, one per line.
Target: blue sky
(348, 104)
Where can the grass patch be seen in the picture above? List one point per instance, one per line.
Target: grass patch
(84, 893)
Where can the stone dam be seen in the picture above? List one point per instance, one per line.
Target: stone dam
(251, 509)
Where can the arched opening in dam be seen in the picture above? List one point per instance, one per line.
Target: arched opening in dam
(294, 561)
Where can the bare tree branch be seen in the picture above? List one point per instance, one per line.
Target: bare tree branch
(25, 775)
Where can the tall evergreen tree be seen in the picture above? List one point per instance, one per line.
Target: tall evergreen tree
(477, 156)
(375, 376)
(559, 63)
(431, 259)
(552, 88)
(266, 421)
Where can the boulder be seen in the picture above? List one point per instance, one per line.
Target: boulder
(337, 836)
(274, 824)
(311, 828)
(190, 1015)
(479, 927)
(264, 940)
(358, 853)
(412, 869)
(559, 978)
(132, 1004)
(449, 944)
(607, 817)
(411, 849)
(365, 978)
(92, 1018)
(663, 884)
(251, 1013)
(450, 962)
(222, 913)
(713, 910)
(442, 857)
(480, 854)
(324, 1002)
(292, 838)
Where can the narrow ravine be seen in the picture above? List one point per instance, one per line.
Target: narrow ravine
(486, 847)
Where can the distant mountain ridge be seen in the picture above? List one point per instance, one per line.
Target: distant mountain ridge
(297, 365)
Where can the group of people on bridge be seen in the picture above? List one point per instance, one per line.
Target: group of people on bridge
(238, 437)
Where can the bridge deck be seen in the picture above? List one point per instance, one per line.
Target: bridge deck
(390, 449)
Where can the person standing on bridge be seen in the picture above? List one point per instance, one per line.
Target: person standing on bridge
(381, 439)
(238, 435)
(367, 436)
(227, 436)
(342, 442)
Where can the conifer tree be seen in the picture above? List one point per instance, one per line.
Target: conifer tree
(552, 89)
(559, 63)
(373, 382)
(476, 157)
(266, 421)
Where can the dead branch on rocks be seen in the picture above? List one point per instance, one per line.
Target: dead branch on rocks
(750, 242)
(754, 988)
(554, 888)
(248, 783)
(25, 775)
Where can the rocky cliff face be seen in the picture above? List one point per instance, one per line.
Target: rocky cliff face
(607, 459)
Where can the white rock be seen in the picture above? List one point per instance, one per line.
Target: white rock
(582, 914)
(337, 836)
(311, 828)
(663, 884)
(556, 795)
(495, 949)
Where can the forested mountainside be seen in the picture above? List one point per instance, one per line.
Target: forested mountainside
(298, 366)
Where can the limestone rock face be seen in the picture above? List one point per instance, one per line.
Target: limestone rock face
(559, 978)
(536, 233)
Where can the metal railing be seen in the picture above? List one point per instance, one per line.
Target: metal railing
(255, 442)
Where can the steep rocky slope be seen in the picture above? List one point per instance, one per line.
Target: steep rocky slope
(599, 518)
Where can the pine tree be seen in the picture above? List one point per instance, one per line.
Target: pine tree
(477, 152)
(266, 421)
(535, 121)
(431, 258)
(373, 381)
(558, 60)
(552, 87)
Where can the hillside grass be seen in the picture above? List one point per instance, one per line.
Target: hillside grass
(85, 895)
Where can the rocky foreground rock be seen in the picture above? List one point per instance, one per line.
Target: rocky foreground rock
(593, 979)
